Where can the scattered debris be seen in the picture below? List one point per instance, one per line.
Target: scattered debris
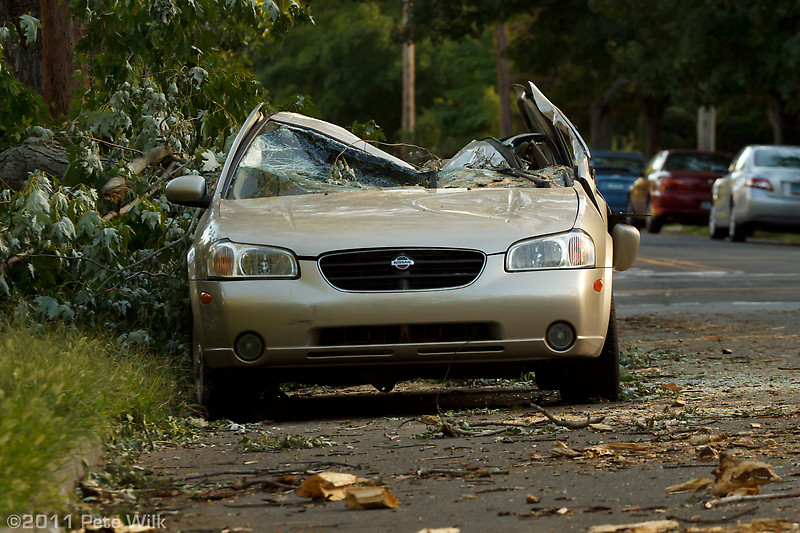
(670, 387)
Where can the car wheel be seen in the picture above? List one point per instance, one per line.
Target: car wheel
(737, 232)
(654, 222)
(714, 231)
(222, 392)
(585, 379)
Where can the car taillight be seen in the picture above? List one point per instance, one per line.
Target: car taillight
(758, 183)
(672, 184)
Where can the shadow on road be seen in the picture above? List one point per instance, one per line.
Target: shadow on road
(349, 405)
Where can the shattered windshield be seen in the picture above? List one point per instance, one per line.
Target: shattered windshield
(286, 159)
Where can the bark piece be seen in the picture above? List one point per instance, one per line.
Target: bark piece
(360, 498)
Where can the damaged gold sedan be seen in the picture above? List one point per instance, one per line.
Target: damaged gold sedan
(321, 258)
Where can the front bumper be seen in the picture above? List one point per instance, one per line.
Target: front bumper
(289, 315)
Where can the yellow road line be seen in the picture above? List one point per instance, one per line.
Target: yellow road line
(682, 265)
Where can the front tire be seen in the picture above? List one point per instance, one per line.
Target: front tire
(584, 379)
(714, 231)
(223, 392)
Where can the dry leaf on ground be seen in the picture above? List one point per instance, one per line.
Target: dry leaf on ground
(737, 476)
(654, 526)
(670, 387)
(330, 485)
(370, 498)
(692, 485)
(440, 530)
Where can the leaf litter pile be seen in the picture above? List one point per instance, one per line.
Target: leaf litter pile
(706, 439)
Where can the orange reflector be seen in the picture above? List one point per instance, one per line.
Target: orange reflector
(598, 285)
(205, 298)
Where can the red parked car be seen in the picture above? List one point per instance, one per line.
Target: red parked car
(676, 187)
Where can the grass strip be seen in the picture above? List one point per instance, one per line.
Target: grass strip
(58, 389)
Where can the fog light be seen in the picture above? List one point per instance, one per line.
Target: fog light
(560, 336)
(249, 346)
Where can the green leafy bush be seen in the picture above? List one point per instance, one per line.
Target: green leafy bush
(59, 388)
(61, 261)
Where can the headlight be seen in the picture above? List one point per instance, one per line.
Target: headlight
(230, 260)
(567, 250)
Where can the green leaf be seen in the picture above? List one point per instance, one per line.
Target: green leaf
(30, 27)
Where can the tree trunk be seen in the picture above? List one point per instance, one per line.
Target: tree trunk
(60, 34)
(33, 154)
(775, 117)
(25, 59)
(503, 83)
(653, 115)
(602, 126)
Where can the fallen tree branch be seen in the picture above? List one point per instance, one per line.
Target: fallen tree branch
(153, 155)
(151, 191)
(567, 423)
(749, 497)
(479, 472)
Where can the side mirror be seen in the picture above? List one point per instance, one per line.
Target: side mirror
(188, 190)
(626, 245)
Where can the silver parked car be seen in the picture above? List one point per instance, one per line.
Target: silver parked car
(321, 258)
(760, 191)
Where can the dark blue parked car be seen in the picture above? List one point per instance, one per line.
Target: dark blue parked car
(615, 172)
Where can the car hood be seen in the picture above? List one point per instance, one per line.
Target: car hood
(486, 219)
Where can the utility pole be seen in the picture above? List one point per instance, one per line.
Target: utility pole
(408, 118)
(706, 128)
(503, 78)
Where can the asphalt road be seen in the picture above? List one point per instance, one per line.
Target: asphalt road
(691, 274)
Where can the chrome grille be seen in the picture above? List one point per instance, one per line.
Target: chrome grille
(390, 269)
